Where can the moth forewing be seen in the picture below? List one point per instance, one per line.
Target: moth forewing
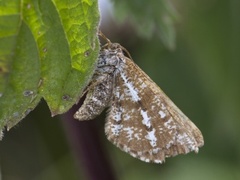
(140, 120)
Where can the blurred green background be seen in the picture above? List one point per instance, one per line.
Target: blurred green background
(202, 77)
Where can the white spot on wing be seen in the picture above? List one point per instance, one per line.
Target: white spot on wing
(143, 85)
(117, 94)
(126, 117)
(129, 132)
(169, 144)
(131, 91)
(116, 129)
(146, 119)
(162, 114)
(144, 159)
(117, 116)
(163, 106)
(155, 150)
(152, 138)
(168, 123)
(136, 135)
(158, 161)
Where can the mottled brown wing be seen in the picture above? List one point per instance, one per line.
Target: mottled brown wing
(144, 122)
(98, 96)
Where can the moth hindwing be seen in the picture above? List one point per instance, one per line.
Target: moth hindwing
(141, 120)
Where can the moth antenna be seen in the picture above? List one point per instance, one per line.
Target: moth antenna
(109, 43)
(127, 52)
(104, 37)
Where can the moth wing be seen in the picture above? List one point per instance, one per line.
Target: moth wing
(97, 99)
(144, 122)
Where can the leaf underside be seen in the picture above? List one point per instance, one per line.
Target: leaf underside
(47, 49)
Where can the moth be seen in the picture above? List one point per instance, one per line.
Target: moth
(141, 119)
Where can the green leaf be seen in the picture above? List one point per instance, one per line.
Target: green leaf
(47, 49)
(150, 18)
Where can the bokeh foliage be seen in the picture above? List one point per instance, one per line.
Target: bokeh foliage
(149, 18)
